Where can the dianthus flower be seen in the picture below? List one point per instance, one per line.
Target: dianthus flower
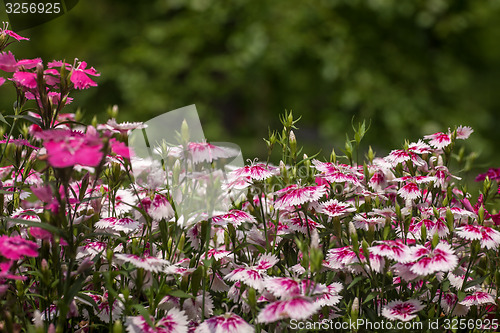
(66, 148)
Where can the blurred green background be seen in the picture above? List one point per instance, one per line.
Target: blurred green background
(410, 67)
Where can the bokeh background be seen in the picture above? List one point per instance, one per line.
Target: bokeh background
(409, 68)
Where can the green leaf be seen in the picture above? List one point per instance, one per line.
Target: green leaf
(42, 225)
(356, 280)
(369, 297)
(29, 118)
(144, 313)
(2, 119)
(179, 293)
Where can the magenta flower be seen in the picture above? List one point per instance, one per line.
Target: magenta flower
(226, 323)
(294, 195)
(402, 310)
(428, 261)
(334, 208)
(80, 76)
(25, 79)
(488, 237)
(119, 148)
(66, 148)
(492, 174)
(16, 247)
(299, 308)
(5, 32)
(5, 274)
(8, 62)
(175, 321)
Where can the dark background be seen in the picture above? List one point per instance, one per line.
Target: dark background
(409, 67)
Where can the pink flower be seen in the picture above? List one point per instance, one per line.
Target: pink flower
(234, 217)
(158, 207)
(8, 62)
(410, 191)
(299, 308)
(400, 156)
(16, 247)
(463, 132)
(148, 263)
(25, 79)
(392, 249)
(428, 261)
(488, 237)
(364, 222)
(226, 323)
(175, 321)
(2, 81)
(5, 274)
(258, 171)
(125, 224)
(402, 310)
(207, 152)
(330, 297)
(4, 32)
(419, 147)
(119, 148)
(123, 128)
(439, 140)
(218, 254)
(80, 76)
(250, 276)
(478, 298)
(334, 208)
(284, 287)
(266, 261)
(432, 226)
(294, 195)
(66, 148)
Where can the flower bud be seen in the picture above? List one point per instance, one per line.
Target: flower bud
(184, 132)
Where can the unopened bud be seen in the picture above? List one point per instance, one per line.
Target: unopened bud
(185, 131)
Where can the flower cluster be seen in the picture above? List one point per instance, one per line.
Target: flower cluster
(86, 246)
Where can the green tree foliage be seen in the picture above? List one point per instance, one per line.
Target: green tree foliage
(409, 67)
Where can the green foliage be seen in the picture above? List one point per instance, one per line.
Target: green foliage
(409, 67)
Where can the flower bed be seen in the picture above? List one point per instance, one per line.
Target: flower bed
(89, 245)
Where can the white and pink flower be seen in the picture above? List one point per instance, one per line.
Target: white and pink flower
(299, 308)
(402, 310)
(334, 208)
(427, 260)
(295, 195)
(226, 323)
